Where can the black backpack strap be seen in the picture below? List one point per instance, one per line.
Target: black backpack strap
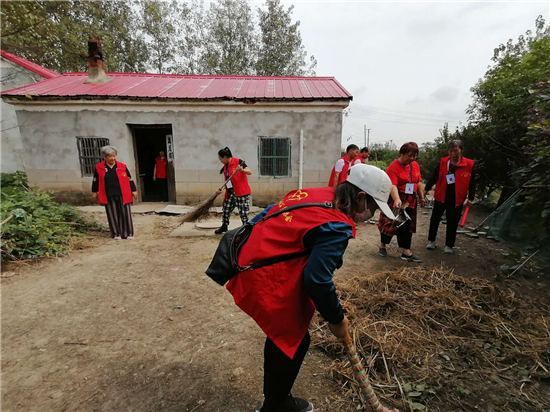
(274, 260)
(326, 205)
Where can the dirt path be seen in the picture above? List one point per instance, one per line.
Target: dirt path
(137, 326)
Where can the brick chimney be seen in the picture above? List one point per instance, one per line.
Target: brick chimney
(96, 65)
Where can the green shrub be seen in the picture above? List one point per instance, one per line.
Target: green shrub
(35, 225)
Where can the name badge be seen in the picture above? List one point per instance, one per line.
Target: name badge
(451, 179)
(409, 188)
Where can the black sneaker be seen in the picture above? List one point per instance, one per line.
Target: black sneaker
(382, 252)
(221, 230)
(293, 404)
(411, 258)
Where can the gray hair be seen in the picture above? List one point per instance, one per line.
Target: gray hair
(456, 143)
(108, 150)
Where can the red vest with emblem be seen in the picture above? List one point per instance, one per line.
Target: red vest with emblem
(463, 174)
(122, 179)
(274, 296)
(343, 174)
(239, 181)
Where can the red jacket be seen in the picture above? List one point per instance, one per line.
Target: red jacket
(122, 179)
(463, 174)
(274, 296)
(343, 174)
(239, 181)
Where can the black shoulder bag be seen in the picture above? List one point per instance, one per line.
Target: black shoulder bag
(225, 264)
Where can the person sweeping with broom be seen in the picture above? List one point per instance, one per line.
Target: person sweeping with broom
(285, 272)
(237, 189)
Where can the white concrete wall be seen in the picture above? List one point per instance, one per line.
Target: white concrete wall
(11, 76)
(51, 153)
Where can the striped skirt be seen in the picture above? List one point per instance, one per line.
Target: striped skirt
(119, 216)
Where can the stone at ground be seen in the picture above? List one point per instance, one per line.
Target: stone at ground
(482, 233)
(472, 235)
(174, 210)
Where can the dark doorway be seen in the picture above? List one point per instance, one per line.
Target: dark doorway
(149, 140)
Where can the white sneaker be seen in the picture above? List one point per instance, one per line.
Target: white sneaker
(117, 238)
(448, 250)
(430, 246)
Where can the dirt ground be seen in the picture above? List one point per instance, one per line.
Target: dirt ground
(124, 326)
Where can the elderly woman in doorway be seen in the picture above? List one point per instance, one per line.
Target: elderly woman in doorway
(406, 193)
(114, 188)
(237, 191)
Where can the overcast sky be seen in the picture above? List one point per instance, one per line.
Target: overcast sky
(408, 62)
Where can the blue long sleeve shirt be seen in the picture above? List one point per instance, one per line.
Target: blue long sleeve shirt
(327, 242)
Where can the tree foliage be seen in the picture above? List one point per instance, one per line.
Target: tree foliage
(225, 38)
(230, 44)
(281, 52)
(54, 33)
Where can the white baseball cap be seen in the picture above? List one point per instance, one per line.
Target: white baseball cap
(374, 182)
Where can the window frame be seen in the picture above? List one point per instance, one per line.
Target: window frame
(273, 158)
(86, 157)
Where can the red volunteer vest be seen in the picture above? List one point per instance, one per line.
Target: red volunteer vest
(161, 167)
(274, 296)
(239, 181)
(463, 174)
(122, 179)
(343, 174)
(359, 157)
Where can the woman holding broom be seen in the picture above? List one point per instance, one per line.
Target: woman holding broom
(282, 297)
(237, 190)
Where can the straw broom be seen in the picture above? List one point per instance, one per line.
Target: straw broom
(201, 211)
(362, 378)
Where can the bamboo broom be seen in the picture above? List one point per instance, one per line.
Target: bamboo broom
(362, 378)
(201, 211)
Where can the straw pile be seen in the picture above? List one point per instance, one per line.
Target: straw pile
(429, 337)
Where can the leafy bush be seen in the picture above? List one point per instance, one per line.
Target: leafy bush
(34, 225)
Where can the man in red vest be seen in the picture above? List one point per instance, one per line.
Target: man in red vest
(363, 156)
(454, 189)
(340, 170)
(282, 297)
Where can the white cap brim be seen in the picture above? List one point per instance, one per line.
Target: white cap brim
(385, 209)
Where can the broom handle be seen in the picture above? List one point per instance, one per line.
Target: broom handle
(227, 181)
(361, 376)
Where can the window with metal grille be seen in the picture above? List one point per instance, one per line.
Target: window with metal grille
(274, 156)
(89, 153)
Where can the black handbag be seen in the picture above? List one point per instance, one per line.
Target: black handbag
(225, 264)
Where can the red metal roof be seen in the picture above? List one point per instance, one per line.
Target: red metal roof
(158, 86)
(33, 67)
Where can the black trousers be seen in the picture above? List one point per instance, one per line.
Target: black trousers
(162, 188)
(280, 372)
(403, 234)
(453, 219)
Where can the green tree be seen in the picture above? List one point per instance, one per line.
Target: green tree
(160, 26)
(230, 43)
(499, 112)
(281, 52)
(54, 33)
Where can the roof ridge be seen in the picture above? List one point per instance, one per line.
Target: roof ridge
(27, 64)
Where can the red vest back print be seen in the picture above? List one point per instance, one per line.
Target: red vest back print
(274, 296)
(239, 181)
(122, 179)
(343, 174)
(463, 174)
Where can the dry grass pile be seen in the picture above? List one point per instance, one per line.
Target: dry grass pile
(432, 340)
